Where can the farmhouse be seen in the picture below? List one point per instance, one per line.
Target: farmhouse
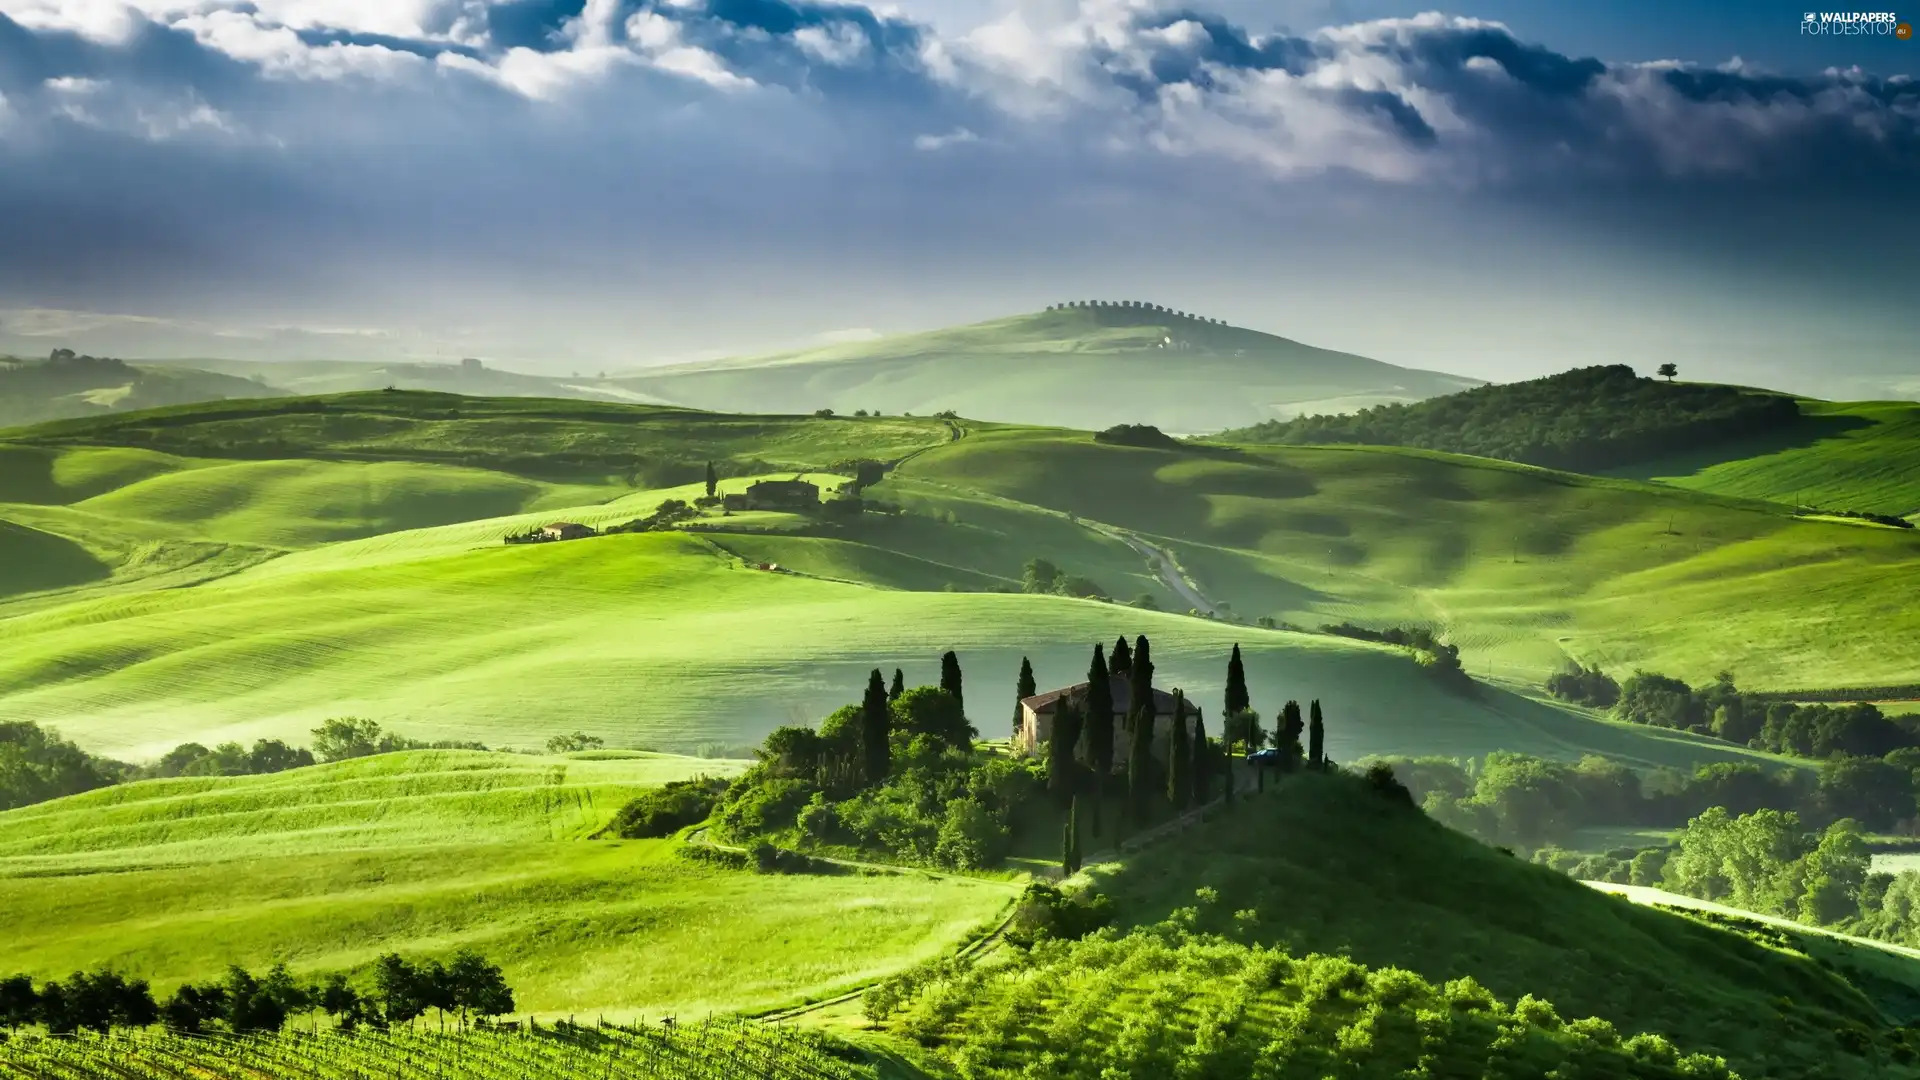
(1037, 712)
(565, 530)
(776, 495)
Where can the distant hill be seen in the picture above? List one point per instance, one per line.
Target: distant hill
(472, 377)
(66, 385)
(1087, 367)
(1587, 419)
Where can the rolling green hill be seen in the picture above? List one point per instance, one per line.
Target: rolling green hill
(1521, 567)
(329, 866)
(1330, 872)
(1077, 367)
(32, 391)
(1839, 456)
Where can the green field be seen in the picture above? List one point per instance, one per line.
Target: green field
(1841, 456)
(1433, 901)
(1523, 568)
(327, 867)
(1074, 367)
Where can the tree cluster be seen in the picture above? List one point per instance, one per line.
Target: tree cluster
(667, 809)
(1585, 419)
(1141, 435)
(1720, 709)
(242, 1003)
(896, 773)
(1043, 576)
(347, 737)
(1861, 515)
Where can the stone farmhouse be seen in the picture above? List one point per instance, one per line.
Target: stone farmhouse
(793, 494)
(566, 530)
(1037, 712)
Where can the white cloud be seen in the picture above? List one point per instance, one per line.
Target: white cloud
(839, 43)
(955, 137)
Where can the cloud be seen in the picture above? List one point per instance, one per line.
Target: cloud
(956, 137)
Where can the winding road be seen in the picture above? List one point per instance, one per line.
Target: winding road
(1169, 573)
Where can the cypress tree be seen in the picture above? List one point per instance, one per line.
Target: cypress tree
(1122, 661)
(1140, 763)
(899, 686)
(1023, 688)
(950, 678)
(713, 480)
(1062, 765)
(1099, 719)
(1179, 758)
(1237, 699)
(876, 722)
(1199, 773)
(1070, 840)
(1140, 683)
(1316, 738)
(1288, 737)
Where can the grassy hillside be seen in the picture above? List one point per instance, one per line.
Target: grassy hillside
(1839, 456)
(661, 638)
(1088, 368)
(32, 391)
(1522, 567)
(1433, 901)
(349, 376)
(329, 866)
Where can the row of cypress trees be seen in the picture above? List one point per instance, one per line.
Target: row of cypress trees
(876, 719)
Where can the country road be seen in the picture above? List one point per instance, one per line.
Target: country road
(1170, 574)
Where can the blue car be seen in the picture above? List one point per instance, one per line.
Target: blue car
(1269, 756)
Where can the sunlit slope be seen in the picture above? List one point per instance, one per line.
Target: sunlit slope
(662, 639)
(423, 853)
(1079, 367)
(1330, 867)
(1842, 456)
(424, 797)
(526, 436)
(1522, 566)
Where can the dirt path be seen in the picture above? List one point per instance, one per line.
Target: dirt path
(1169, 573)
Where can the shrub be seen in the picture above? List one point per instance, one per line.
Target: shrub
(668, 809)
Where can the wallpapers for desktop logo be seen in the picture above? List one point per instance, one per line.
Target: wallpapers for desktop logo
(1855, 24)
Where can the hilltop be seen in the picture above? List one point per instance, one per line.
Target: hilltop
(1303, 883)
(1075, 366)
(474, 377)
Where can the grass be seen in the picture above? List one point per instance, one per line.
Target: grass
(1841, 456)
(428, 852)
(1523, 568)
(1070, 367)
(1330, 867)
(662, 638)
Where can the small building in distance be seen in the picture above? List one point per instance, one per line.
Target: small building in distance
(566, 530)
(1037, 713)
(793, 494)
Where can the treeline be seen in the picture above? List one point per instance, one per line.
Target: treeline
(1141, 435)
(1585, 419)
(1860, 515)
(1723, 710)
(36, 764)
(401, 991)
(1438, 657)
(1517, 800)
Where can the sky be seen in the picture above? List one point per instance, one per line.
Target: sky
(1500, 191)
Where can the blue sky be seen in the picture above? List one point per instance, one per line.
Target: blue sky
(1503, 190)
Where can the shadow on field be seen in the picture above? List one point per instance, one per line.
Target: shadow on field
(1801, 434)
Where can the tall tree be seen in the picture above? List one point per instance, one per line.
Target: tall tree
(1122, 660)
(1237, 699)
(1316, 737)
(1199, 774)
(1070, 841)
(1140, 682)
(876, 729)
(713, 480)
(950, 677)
(1023, 688)
(1099, 722)
(899, 685)
(1289, 735)
(1062, 761)
(1179, 758)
